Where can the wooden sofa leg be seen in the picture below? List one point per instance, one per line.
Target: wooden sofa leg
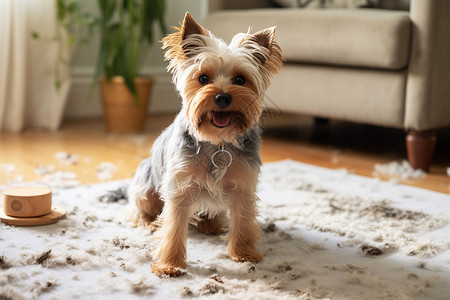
(420, 148)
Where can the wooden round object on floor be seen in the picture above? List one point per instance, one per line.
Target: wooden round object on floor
(57, 213)
(27, 201)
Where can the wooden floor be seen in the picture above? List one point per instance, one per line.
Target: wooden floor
(335, 145)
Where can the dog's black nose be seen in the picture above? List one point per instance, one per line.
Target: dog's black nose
(222, 100)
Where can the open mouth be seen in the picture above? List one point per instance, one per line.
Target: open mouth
(221, 119)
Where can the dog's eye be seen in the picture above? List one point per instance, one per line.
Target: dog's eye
(203, 79)
(239, 80)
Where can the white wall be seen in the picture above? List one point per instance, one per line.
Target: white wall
(164, 97)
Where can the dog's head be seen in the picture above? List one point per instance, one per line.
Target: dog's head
(222, 85)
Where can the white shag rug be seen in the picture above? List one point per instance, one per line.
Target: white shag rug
(325, 235)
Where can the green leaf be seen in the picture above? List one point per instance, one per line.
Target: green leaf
(126, 29)
(99, 68)
(35, 35)
(58, 84)
(129, 82)
(71, 40)
(73, 7)
(61, 9)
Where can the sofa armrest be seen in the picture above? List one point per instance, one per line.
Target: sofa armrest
(427, 103)
(214, 5)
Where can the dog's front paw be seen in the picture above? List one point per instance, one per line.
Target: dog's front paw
(252, 256)
(162, 270)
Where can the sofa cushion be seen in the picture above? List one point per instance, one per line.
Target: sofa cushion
(368, 96)
(350, 37)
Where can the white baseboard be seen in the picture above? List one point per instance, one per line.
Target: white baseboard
(81, 103)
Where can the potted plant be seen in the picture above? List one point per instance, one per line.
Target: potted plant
(126, 32)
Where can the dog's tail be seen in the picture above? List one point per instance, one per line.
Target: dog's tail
(137, 189)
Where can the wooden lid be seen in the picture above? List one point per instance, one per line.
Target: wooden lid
(57, 213)
(27, 201)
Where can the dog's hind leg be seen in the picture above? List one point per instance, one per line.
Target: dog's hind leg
(144, 199)
(149, 208)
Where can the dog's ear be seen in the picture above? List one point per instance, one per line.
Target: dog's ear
(190, 26)
(191, 35)
(265, 49)
(188, 37)
(265, 38)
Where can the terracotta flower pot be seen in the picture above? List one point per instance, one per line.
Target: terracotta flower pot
(122, 113)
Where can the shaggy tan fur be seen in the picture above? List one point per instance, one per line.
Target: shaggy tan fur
(187, 186)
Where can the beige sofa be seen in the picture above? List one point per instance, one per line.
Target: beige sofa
(374, 66)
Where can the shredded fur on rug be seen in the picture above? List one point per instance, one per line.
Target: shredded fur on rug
(400, 169)
(325, 235)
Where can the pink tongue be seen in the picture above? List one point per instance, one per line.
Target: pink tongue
(221, 118)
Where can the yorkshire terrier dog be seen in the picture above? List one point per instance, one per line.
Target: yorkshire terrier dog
(204, 167)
